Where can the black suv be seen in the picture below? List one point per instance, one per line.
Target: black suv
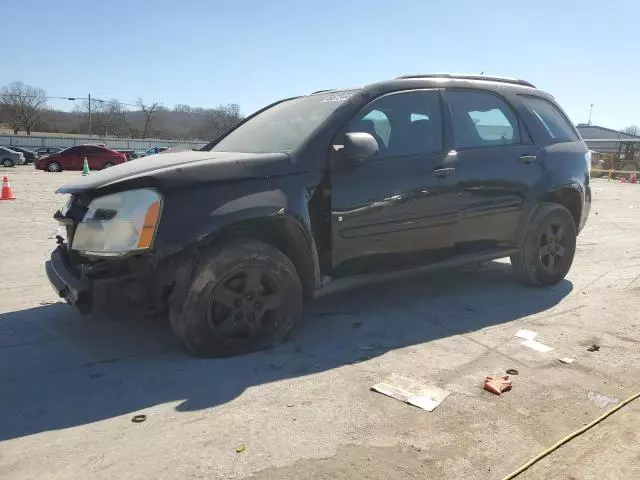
(424, 170)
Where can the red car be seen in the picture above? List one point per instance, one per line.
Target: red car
(73, 158)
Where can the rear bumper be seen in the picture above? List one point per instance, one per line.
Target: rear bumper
(66, 282)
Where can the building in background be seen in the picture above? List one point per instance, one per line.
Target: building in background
(592, 133)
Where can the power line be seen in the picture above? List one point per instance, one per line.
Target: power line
(99, 100)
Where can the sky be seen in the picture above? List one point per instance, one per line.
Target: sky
(253, 52)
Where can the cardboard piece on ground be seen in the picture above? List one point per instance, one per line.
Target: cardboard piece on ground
(526, 334)
(540, 347)
(412, 392)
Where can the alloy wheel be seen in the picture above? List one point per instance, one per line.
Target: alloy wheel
(246, 304)
(552, 246)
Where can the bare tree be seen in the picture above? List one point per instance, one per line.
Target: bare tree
(148, 111)
(23, 104)
(218, 121)
(632, 130)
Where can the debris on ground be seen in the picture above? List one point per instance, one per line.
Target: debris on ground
(540, 347)
(567, 360)
(512, 371)
(600, 400)
(412, 392)
(241, 448)
(594, 348)
(526, 334)
(497, 385)
(138, 418)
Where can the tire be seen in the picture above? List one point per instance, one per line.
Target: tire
(549, 247)
(226, 309)
(54, 167)
(7, 162)
(108, 165)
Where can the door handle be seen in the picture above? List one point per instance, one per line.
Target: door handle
(442, 172)
(528, 159)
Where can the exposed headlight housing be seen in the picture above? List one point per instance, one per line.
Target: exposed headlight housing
(118, 224)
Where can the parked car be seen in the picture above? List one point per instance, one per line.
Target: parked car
(422, 171)
(72, 158)
(154, 150)
(9, 157)
(47, 150)
(130, 154)
(29, 155)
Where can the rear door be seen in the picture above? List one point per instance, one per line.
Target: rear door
(397, 208)
(94, 155)
(70, 158)
(496, 168)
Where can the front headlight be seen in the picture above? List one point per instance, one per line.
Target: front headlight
(119, 223)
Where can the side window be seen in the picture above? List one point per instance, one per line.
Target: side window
(381, 125)
(73, 150)
(404, 123)
(481, 119)
(551, 119)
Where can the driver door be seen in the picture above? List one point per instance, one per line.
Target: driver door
(397, 208)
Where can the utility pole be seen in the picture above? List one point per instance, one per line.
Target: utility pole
(89, 96)
(590, 110)
(80, 98)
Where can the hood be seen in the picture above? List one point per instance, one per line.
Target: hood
(187, 167)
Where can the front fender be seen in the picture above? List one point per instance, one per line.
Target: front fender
(199, 215)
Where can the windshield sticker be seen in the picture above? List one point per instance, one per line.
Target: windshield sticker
(337, 97)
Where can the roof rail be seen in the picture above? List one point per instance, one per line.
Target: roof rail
(321, 91)
(466, 76)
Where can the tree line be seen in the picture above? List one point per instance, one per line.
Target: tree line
(24, 108)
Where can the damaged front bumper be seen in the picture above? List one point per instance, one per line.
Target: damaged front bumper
(66, 282)
(115, 287)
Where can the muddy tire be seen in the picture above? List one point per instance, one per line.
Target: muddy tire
(243, 296)
(549, 247)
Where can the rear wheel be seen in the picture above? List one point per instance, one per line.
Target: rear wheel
(244, 296)
(549, 247)
(54, 167)
(7, 162)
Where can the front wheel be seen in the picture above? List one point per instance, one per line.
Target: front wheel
(54, 167)
(549, 247)
(244, 296)
(7, 162)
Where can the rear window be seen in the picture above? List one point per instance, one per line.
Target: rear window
(552, 120)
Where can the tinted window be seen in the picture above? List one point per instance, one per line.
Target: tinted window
(481, 119)
(94, 150)
(551, 119)
(405, 123)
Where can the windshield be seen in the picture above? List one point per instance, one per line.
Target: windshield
(284, 126)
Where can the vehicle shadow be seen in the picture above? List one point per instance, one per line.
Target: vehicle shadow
(60, 370)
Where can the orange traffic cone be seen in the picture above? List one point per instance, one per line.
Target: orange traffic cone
(7, 194)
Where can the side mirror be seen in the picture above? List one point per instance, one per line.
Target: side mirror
(359, 145)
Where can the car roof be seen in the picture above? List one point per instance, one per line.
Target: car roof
(450, 80)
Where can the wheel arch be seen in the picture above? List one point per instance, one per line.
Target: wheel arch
(286, 233)
(569, 196)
